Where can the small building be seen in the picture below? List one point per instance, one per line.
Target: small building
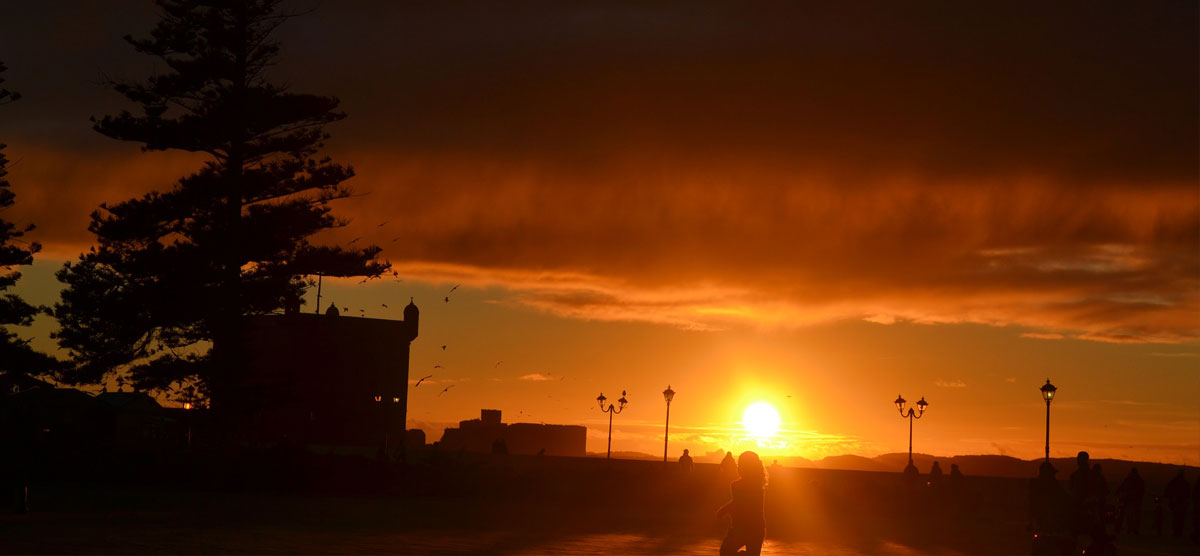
(330, 379)
(487, 433)
(66, 416)
(137, 418)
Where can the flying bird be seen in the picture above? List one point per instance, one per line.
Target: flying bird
(437, 366)
(497, 364)
(422, 380)
(354, 240)
(395, 239)
(451, 291)
(381, 224)
(444, 390)
(385, 305)
(443, 348)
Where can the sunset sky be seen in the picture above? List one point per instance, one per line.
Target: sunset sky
(818, 207)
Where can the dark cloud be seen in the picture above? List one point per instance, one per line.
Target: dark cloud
(702, 164)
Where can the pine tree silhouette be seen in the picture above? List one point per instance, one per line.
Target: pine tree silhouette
(16, 356)
(163, 295)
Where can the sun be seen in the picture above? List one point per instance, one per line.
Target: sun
(761, 420)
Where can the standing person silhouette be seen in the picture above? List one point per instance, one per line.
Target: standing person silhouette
(728, 468)
(1176, 493)
(1048, 516)
(1129, 502)
(1085, 515)
(935, 474)
(745, 508)
(685, 462)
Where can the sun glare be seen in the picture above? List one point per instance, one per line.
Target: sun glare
(761, 420)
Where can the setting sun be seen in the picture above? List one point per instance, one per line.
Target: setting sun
(761, 420)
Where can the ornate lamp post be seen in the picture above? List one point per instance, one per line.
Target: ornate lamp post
(1048, 391)
(668, 395)
(611, 411)
(921, 405)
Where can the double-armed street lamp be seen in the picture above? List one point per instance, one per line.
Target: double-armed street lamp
(384, 422)
(1048, 391)
(921, 406)
(668, 395)
(610, 410)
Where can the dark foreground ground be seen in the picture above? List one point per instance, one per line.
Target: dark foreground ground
(514, 505)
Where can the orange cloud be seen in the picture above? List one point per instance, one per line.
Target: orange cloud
(739, 242)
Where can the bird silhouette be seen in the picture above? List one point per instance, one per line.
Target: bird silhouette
(422, 380)
(444, 390)
(447, 299)
(395, 239)
(443, 348)
(454, 288)
(384, 305)
(381, 224)
(437, 366)
(497, 364)
(354, 240)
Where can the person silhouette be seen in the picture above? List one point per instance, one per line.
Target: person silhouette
(1104, 510)
(911, 475)
(745, 508)
(685, 462)
(935, 474)
(1176, 493)
(1048, 505)
(956, 482)
(728, 468)
(1083, 501)
(1196, 512)
(1099, 485)
(1158, 516)
(1129, 502)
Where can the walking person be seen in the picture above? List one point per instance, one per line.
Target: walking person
(745, 508)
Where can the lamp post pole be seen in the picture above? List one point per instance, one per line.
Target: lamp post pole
(610, 410)
(1048, 391)
(668, 395)
(921, 406)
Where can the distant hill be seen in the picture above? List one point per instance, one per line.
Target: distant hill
(984, 465)
(855, 463)
(626, 455)
(1004, 466)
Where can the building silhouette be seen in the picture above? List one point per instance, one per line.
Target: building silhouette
(488, 431)
(329, 379)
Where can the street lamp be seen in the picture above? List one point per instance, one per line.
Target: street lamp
(187, 407)
(668, 395)
(921, 406)
(384, 422)
(1048, 391)
(610, 410)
